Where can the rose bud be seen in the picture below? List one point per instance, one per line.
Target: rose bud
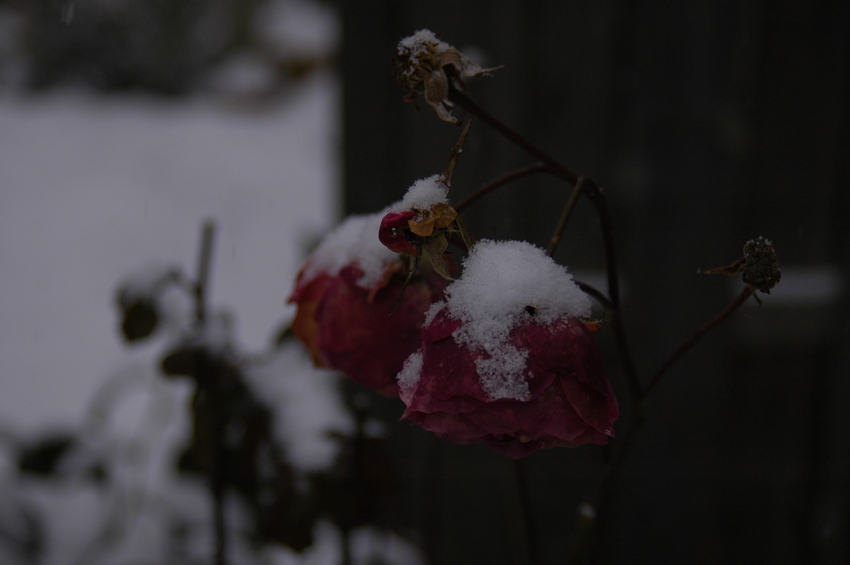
(354, 313)
(423, 223)
(506, 359)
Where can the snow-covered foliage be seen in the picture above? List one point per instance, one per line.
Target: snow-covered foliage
(307, 404)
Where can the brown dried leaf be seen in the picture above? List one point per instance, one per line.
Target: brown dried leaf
(433, 248)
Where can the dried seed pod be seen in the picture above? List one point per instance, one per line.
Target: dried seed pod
(761, 265)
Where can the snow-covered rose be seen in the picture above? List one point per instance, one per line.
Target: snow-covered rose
(506, 359)
(351, 314)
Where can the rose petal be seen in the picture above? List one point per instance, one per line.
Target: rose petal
(393, 230)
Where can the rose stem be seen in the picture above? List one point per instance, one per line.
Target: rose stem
(446, 175)
(612, 471)
(502, 180)
(638, 393)
(526, 512)
(201, 288)
(589, 188)
(509, 133)
(565, 216)
(734, 305)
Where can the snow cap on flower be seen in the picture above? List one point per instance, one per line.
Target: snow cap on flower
(352, 242)
(506, 360)
(503, 283)
(419, 65)
(422, 195)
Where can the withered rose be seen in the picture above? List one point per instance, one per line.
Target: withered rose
(506, 359)
(568, 403)
(420, 66)
(351, 314)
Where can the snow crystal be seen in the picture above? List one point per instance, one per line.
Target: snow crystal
(418, 42)
(354, 241)
(433, 311)
(410, 372)
(422, 195)
(503, 376)
(500, 280)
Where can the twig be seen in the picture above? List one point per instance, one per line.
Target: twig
(217, 479)
(446, 175)
(510, 134)
(612, 471)
(734, 305)
(565, 216)
(502, 180)
(204, 263)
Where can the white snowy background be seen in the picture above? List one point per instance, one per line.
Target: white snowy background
(94, 188)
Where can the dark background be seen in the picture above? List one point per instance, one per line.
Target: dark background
(707, 124)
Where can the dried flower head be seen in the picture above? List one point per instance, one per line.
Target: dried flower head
(761, 265)
(420, 65)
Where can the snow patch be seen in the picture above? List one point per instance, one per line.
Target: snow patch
(415, 44)
(307, 406)
(423, 194)
(354, 241)
(504, 376)
(501, 279)
(410, 372)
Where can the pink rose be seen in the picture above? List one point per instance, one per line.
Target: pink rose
(355, 330)
(569, 401)
(507, 360)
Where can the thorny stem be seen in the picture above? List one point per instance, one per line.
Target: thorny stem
(446, 175)
(509, 133)
(204, 262)
(597, 294)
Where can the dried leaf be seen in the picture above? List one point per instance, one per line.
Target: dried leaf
(433, 248)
